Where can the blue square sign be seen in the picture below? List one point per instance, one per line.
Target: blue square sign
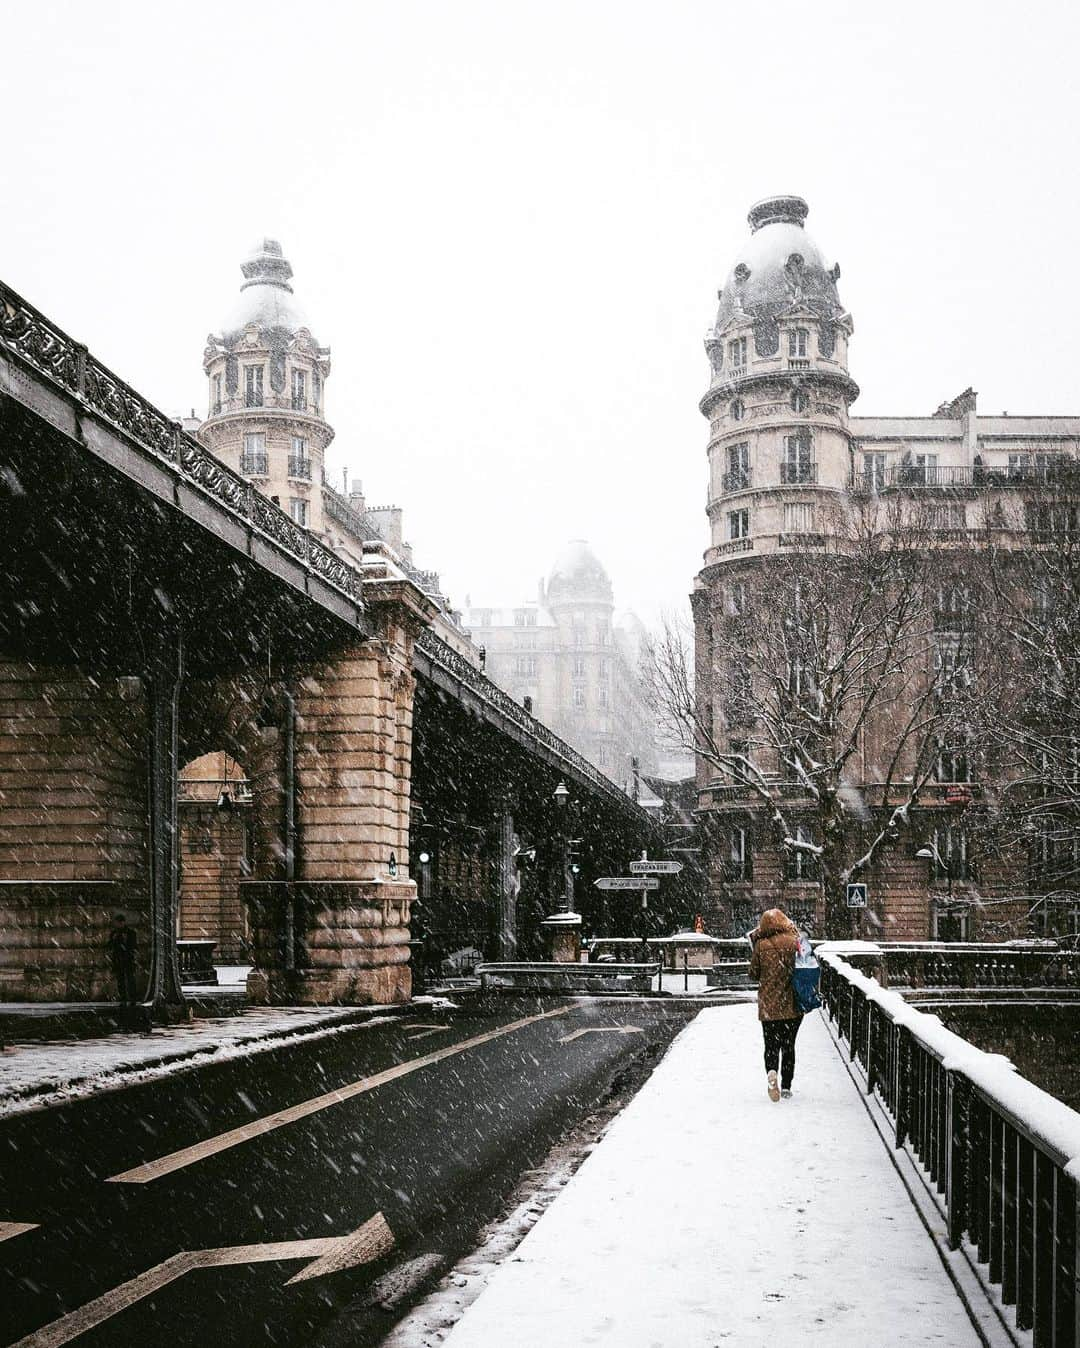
(856, 896)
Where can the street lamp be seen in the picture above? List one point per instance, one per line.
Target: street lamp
(561, 797)
(930, 853)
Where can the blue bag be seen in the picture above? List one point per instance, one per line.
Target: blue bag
(806, 977)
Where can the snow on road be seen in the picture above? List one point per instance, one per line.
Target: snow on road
(709, 1215)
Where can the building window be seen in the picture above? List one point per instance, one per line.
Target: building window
(740, 864)
(525, 665)
(737, 597)
(800, 400)
(603, 633)
(947, 516)
(952, 659)
(873, 472)
(798, 461)
(253, 460)
(579, 667)
(799, 518)
(298, 510)
(737, 477)
(603, 696)
(738, 409)
(953, 762)
(798, 863)
(952, 857)
(1047, 520)
(1020, 468)
(738, 524)
(253, 385)
(579, 697)
(737, 351)
(217, 404)
(797, 342)
(299, 390)
(299, 463)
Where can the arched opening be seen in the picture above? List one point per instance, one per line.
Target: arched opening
(216, 854)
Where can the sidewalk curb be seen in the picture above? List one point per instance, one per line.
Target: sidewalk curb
(36, 1096)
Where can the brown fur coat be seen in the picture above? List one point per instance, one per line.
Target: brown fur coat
(772, 963)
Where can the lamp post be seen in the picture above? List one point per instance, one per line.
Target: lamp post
(564, 925)
(930, 853)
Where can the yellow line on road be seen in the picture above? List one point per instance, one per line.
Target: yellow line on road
(177, 1160)
(329, 1255)
(9, 1229)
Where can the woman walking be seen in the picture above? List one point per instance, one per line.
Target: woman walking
(772, 963)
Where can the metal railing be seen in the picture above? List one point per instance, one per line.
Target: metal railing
(734, 545)
(795, 474)
(33, 340)
(738, 479)
(299, 466)
(1001, 1155)
(255, 465)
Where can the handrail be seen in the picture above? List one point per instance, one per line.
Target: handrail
(31, 337)
(1002, 1154)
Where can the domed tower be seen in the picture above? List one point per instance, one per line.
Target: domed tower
(579, 597)
(778, 401)
(267, 377)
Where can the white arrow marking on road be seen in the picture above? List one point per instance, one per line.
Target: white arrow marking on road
(425, 1031)
(603, 1029)
(9, 1229)
(329, 1255)
(177, 1160)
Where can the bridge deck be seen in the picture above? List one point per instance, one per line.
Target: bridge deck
(710, 1215)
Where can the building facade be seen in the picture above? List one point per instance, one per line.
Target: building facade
(576, 662)
(795, 480)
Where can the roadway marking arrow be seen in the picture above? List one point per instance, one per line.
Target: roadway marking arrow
(602, 1029)
(425, 1031)
(328, 1255)
(9, 1229)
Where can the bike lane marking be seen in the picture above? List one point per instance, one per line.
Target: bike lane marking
(9, 1229)
(330, 1254)
(212, 1146)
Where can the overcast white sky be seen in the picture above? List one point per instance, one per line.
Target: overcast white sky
(509, 221)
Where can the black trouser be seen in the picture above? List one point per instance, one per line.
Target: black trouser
(125, 983)
(780, 1047)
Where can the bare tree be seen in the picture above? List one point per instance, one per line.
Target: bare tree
(829, 677)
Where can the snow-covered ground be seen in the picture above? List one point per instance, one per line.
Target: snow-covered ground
(36, 1074)
(710, 1215)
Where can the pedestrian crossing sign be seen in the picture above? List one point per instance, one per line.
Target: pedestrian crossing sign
(856, 896)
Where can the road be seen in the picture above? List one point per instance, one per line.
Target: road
(252, 1202)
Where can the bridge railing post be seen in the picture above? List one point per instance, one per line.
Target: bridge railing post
(958, 1155)
(903, 1084)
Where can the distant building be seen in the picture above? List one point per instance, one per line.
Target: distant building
(576, 664)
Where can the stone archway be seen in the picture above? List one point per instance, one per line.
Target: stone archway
(216, 854)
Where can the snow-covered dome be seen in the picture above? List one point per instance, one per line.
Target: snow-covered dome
(577, 574)
(778, 266)
(266, 297)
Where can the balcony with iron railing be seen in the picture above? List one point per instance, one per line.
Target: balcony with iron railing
(945, 477)
(255, 465)
(300, 466)
(734, 545)
(268, 402)
(793, 474)
(737, 479)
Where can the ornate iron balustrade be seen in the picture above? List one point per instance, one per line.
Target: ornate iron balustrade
(794, 474)
(439, 653)
(1000, 1154)
(801, 540)
(29, 336)
(738, 479)
(255, 465)
(299, 466)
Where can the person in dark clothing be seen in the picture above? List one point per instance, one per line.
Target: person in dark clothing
(772, 963)
(122, 944)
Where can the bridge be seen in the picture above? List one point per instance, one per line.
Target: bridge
(154, 607)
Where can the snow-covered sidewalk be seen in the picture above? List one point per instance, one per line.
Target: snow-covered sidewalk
(709, 1215)
(53, 1071)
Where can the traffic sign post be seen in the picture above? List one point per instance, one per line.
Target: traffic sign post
(655, 867)
(857, 896)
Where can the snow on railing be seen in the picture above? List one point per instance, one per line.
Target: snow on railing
(1002, 1156)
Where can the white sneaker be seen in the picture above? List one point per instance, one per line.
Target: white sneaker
(786, 1092)
(774, 1088)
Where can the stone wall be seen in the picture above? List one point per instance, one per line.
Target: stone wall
(1040, 1040)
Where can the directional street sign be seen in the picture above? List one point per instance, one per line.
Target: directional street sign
(655, 867)
(856, 896)
(626, 882)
